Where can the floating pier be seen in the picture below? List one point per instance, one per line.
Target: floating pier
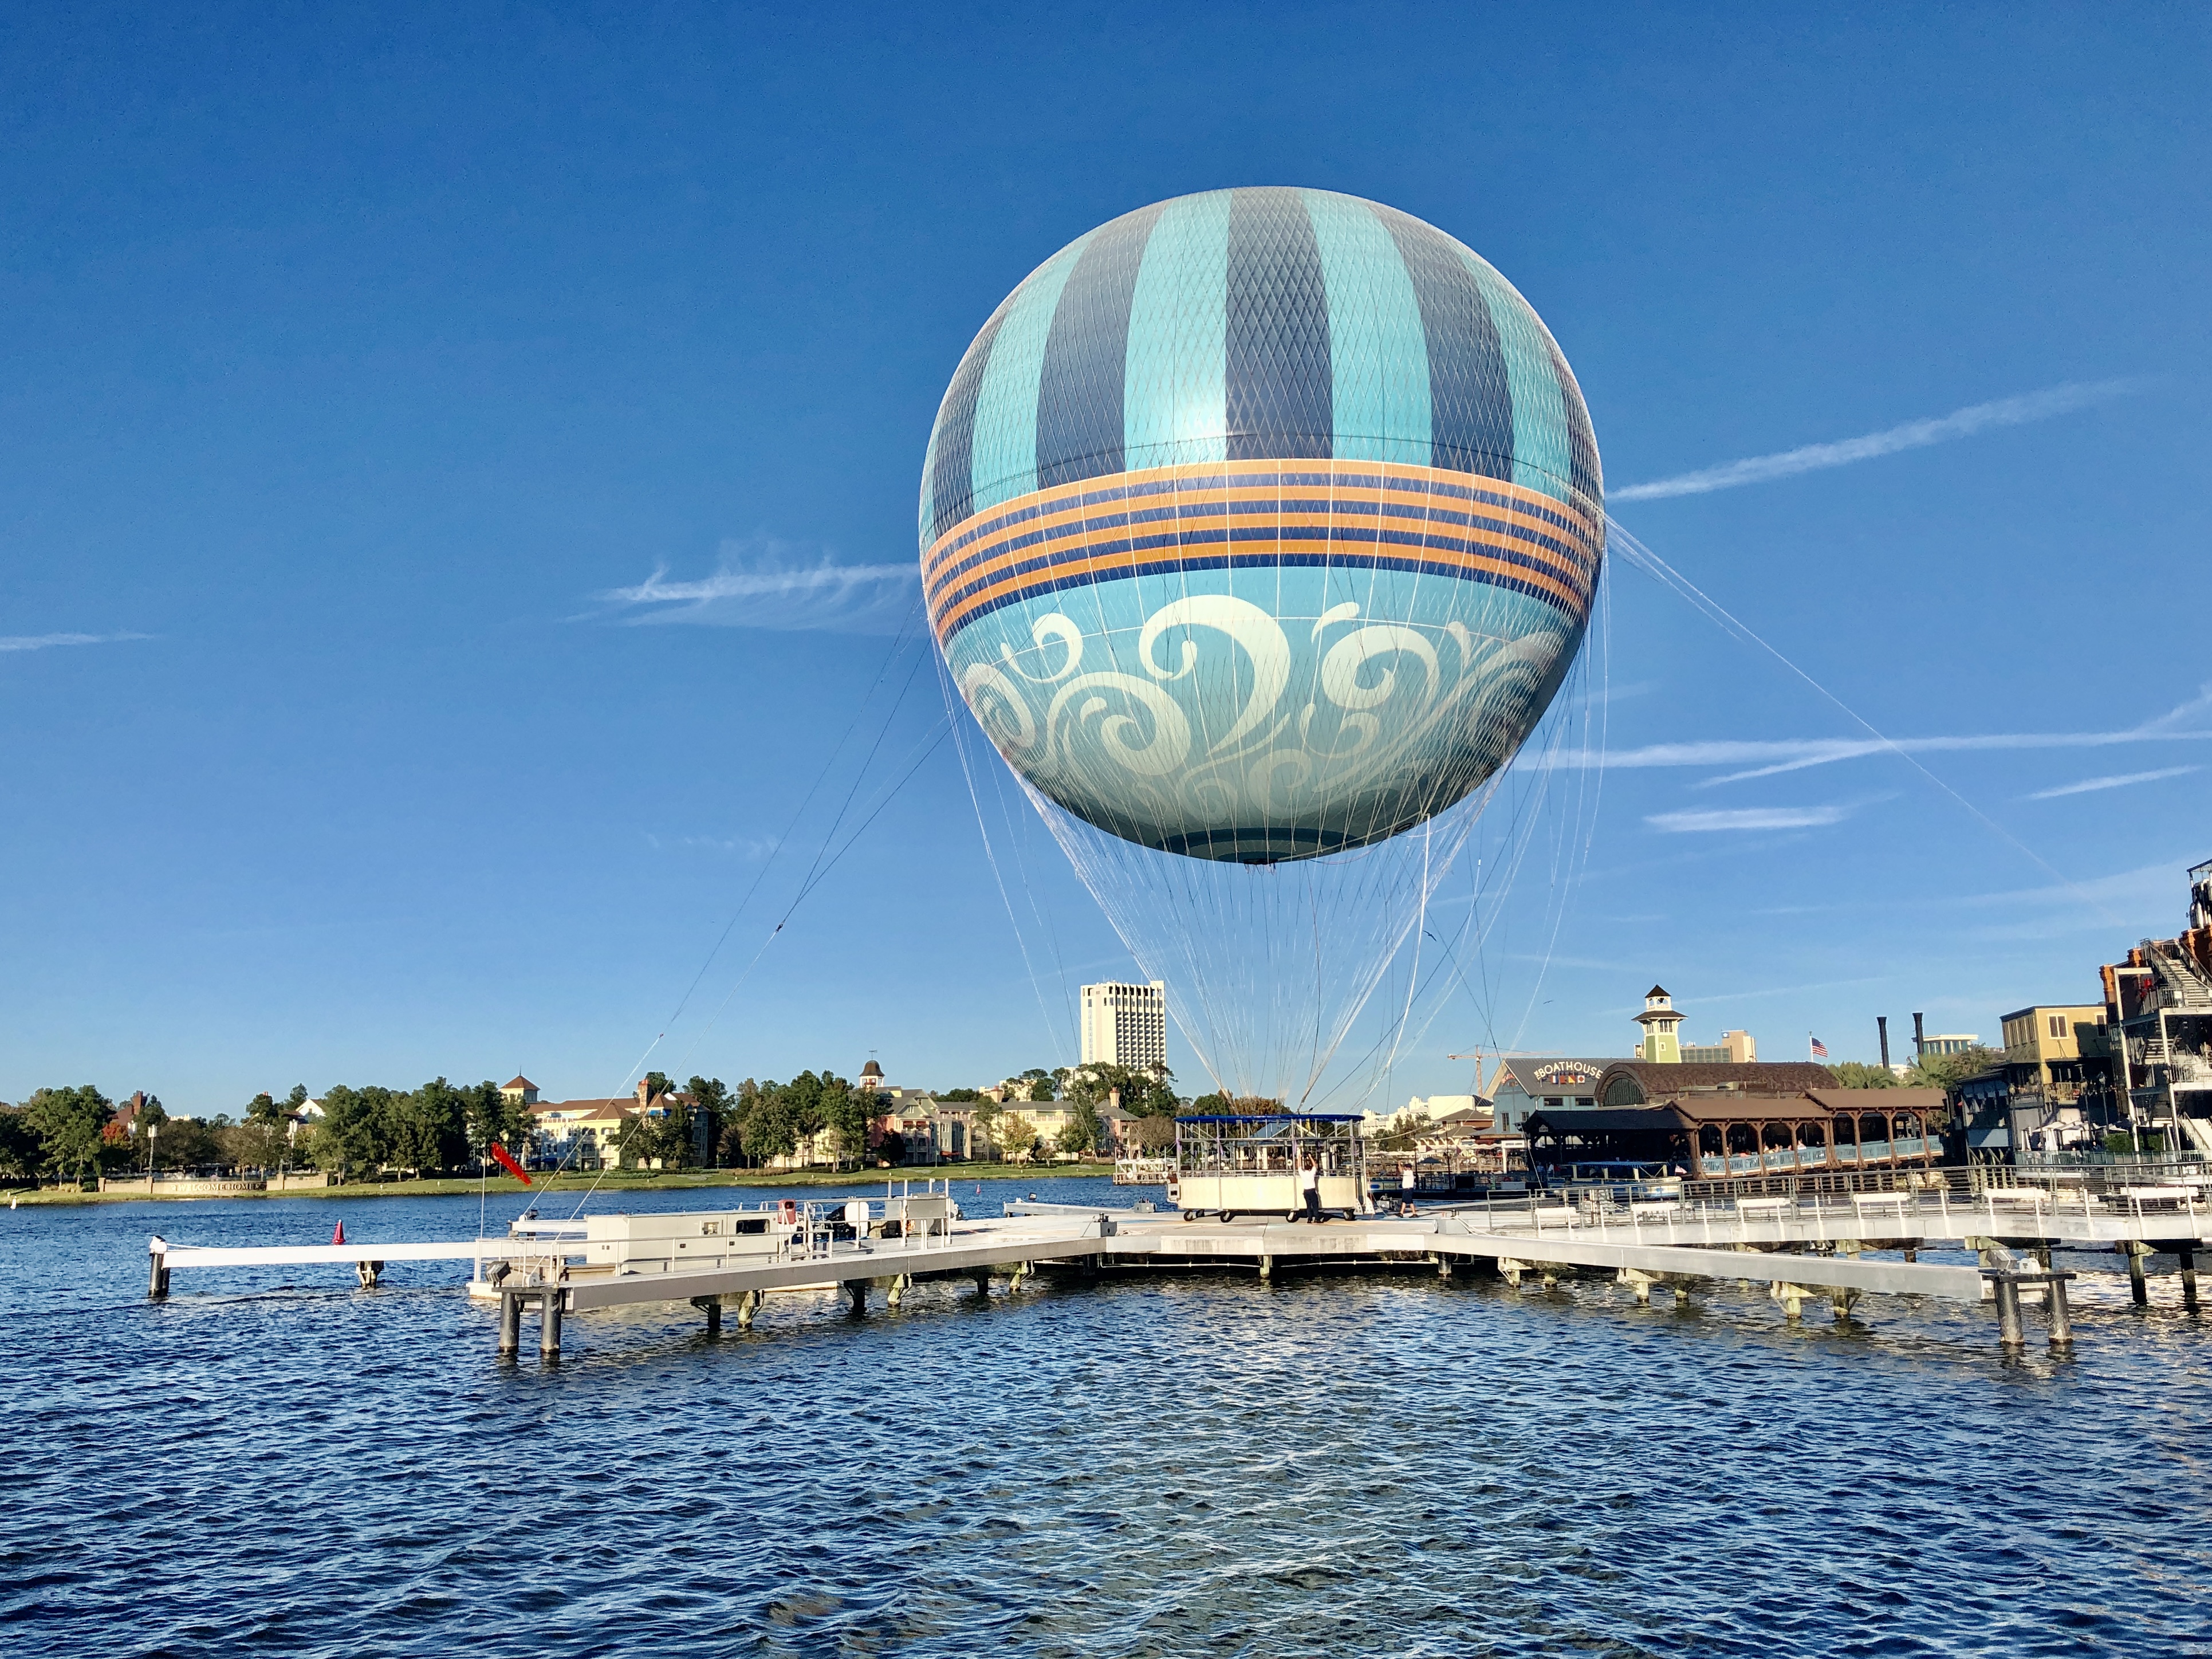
(1804, 1250)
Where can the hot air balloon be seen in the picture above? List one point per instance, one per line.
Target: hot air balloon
(1259, 527)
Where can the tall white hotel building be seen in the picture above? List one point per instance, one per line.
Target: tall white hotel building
(1125, 1025)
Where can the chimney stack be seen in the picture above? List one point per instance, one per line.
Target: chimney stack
(1881, 1024)
(644, 1093)
(1920, 1038)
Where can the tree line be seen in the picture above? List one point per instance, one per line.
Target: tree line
(441, 1126)
(72, 1133)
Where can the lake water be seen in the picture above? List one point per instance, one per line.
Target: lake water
(1158, 1463)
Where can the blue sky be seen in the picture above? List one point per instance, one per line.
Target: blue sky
(460, 470)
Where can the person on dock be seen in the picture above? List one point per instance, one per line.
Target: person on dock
(1407, 1181)
(1309, 1186)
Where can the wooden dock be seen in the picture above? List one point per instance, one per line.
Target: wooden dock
(1837, 1249)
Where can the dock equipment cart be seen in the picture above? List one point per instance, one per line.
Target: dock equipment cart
(1248, 1165)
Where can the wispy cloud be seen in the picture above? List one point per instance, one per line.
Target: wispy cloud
(764, 584)
(1748, 818)
(2188, 722)
(48, 642)
(1914, 435)
(2121, 781)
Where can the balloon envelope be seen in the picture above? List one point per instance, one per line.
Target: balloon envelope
(1260, 524)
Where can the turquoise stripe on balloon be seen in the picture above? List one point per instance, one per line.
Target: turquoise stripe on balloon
(1173, 401)
(1002, 454)
(928, 504)
(1380, 355)
(1541, 457)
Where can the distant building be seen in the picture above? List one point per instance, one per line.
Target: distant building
(519, 1090)
(2159, 1023)
(1734, 1049)
(1662, 1044)
(1519, 1087)
(1951, 1043)
(1125, 1025)
(2048, 1045)
(578, 1133)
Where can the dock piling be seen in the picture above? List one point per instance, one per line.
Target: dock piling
(510, 1323)
(2135, 1251)
(2188, 1260)
(368, 1272)
(712, 1307)
(856, 1292)
(2010, 1335)
(157, 1283)
(2062, 1318)
(748, 1305)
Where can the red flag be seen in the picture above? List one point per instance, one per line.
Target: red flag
(513, 1168)
(339, 1237)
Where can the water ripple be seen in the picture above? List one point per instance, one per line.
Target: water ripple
(1160, 1463)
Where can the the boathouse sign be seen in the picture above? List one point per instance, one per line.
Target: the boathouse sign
(1564, 1073)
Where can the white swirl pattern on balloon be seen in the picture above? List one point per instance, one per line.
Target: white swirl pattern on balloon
(1181, 727)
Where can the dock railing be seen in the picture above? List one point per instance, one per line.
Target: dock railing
(1993, 1213)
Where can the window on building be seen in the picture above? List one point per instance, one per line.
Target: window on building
(2059, 1025)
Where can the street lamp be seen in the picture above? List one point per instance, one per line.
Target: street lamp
(152, 1130)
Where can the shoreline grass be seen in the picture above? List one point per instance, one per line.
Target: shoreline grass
(624, 1180)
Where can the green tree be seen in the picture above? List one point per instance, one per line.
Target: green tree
(672, 1139)
(356, 1134)
(491, 1117)
(190, 1143)
(711, 1096)
(1016, 1134)
(846, 1113)
(67, 1124)
(1152, 1095)
(959, 1096)
(1215, 1104)
(1085, 1132)
(19, 1146)
(430, 1128)
(771, 1127)
(1857, 1074)
(1947, 1071)
(735, 1146)
(263, 1140)
(985, 1120)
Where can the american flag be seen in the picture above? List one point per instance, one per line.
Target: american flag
(1819, 1048)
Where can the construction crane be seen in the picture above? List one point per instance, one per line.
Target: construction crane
(1476, 1055)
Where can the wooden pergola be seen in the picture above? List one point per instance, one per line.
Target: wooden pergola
(1820, 1129)
(1726, 1132)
